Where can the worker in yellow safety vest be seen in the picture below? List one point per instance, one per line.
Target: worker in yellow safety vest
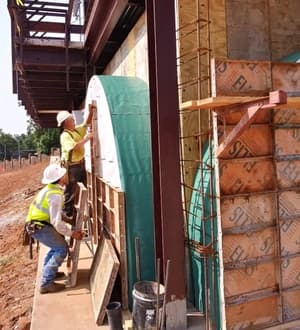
(44, 223)
(72, 140)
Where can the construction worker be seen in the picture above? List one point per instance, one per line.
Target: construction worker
(72, 140)
(44, 223)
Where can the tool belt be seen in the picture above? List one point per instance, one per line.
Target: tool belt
(32, 226)
(81, 162)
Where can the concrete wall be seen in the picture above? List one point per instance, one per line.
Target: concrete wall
(262, 29)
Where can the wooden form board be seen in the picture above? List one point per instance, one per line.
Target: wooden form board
(254, 78)
(260, 219)
(291, 303)
(111, 216)
(80, 215)
(102, 277)
(217, 102)
(132, 57)
(251, 315)
(236, 82)
(247, 26)
(91, 173)
(91, 187)
(238, 282)
(250, 175)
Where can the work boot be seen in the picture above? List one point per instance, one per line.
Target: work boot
(52, 287)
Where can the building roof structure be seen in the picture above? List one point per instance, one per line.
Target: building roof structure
(58, 45)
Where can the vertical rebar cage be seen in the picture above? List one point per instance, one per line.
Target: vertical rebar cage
(197, 159)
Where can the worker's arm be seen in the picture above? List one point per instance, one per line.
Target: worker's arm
(55, 202)
(81, 143)
(67, 141)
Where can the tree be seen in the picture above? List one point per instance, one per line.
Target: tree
(43, 139)
(37, 140)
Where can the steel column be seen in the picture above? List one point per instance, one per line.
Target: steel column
(169, 222)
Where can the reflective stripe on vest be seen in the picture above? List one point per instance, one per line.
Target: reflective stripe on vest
(39, 208)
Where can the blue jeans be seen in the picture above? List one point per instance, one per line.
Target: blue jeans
(48, 236)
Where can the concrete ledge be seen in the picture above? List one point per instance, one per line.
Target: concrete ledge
(69, 309)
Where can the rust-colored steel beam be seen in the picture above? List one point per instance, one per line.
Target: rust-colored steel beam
(53, 27)
(53, 76)
(31, 3)
(166, 160)
(52, 56)
(101, 22)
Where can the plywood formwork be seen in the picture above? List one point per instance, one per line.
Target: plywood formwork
(284, 28)
(103, 274)
(110, 215)
(247, 24)
(254, 78)
(131, 59)
(262, 29)
(257, 177)
(258, 209)
(257, 196)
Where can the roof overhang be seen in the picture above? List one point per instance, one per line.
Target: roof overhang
(50, 71)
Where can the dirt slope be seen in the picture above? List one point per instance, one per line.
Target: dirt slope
(17, 271)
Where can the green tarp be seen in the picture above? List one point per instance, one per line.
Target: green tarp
(202, 228)
(128, 100)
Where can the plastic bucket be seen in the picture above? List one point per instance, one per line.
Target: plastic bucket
(114, 315)
(144, 304)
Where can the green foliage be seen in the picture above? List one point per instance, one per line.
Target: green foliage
(37, 140)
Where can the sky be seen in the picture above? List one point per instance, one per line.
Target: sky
(13, 119)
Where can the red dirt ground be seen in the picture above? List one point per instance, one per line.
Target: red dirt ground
(17, 270)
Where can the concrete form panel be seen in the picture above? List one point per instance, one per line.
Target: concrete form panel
(238, 249)
(249, 279)
(286, 76)
(240, 78)
(258, 181)
(250, 314)
(284, 27)
(243, 213)
(291, 306)
(232, 77)
(290, 238)
(290, 267)
(287, 141)
(286, 116)
(235, 116)
(246, 146)
(246, 176)
(288, 173)
(247, 29)
(289, 205)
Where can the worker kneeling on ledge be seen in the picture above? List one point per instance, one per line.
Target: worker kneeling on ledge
(44, 223)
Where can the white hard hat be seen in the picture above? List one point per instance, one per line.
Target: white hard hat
(52, 173)
(62, 116)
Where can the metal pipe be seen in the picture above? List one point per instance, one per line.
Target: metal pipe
(137, 258)
(157, 295)
(165, 296)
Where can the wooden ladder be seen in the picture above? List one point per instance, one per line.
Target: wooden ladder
(82, 223)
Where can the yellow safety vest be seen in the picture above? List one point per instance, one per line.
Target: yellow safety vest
(39, 208)
(68, 139)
